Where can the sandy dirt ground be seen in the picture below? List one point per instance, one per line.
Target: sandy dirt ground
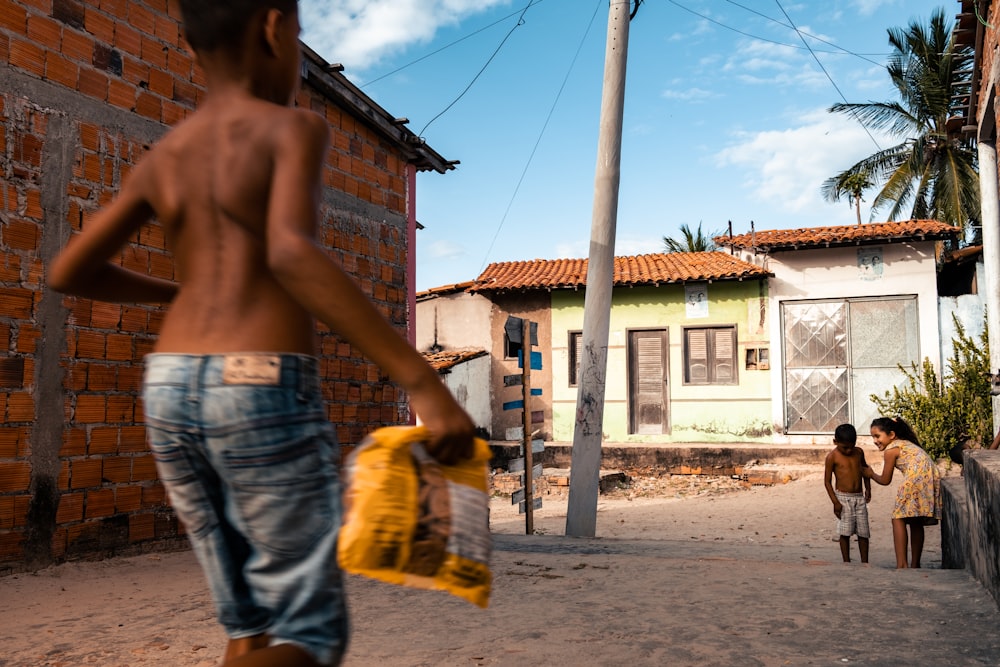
(683, 571)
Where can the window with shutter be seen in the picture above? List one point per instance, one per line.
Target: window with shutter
(710, 355)
(575, 355)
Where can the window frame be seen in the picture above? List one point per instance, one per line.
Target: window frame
(574, 353)
(711, 360)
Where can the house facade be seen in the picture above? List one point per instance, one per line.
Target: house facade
(851, 304)
(688, 336)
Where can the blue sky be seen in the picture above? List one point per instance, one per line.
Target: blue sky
(725, 114)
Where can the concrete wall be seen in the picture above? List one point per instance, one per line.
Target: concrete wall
(469, 383)
(970, 531)
(833, 273)
(697, 413)
(87, 87)
(454, 322)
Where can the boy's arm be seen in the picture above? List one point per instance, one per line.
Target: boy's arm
(84, 266)
(828, 483)
(324, 289)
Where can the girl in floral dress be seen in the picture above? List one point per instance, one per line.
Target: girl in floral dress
(918, 501)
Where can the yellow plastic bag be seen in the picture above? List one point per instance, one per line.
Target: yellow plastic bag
(411, 521)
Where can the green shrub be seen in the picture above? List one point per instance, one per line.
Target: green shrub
(950, 411)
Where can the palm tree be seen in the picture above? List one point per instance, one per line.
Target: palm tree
(852, 185)
(933, 169)
(692, 241)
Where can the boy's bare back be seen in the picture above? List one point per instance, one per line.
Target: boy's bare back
(846, 469)
(216, 185)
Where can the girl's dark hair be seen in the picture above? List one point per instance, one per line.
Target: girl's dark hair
(214, 24)
(896, 425)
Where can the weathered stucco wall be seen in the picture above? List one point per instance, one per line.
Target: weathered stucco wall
(697, 412)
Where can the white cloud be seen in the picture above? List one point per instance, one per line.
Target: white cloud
(358, 33)
(446, 249)
(689, 95)
(786, 168)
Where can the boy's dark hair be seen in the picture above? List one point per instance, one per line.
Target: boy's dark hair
(214, 24)
(846, 433)
(898, 426)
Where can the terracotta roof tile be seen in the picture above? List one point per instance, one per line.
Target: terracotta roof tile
(443, 290)
(442, 361)
(675, 267)
(790, 239)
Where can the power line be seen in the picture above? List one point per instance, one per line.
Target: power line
(520, 22)
(818, 62)
(451, 44)
(545, 125)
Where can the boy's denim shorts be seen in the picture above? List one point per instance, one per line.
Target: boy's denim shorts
(250, 461)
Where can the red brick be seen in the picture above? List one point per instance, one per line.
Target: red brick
(119, 347)
(103, 441)
(74, 442)
(141, 527)
(90, 409)
(128, 499)
(148, 105)
(161, 83)
(154, 496)
(135, 71)
(6, 512)
(134, 319)
(20, 235)
(15, 476)
(13, 18)
(85, 473)
(10, 546)
(27, 339)
(105, 315)
(11, 442)
(61, 70)
(121, 408)
(70, 508)
(154, 53)
(128, 39)
(77, 46)
(121, 94)
(143, 468)
(90, 345)
(70, 12)
(129, 378)
(45, 31)
(93, 83)
(101, 377)
(160, 265)
(117, 469)
(100, 25)
(133, 439)
(100, 503)
(20, 406)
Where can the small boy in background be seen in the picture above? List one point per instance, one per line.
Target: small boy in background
(845, 463)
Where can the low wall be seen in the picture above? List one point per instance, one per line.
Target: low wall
(970, 531)
(677, 459)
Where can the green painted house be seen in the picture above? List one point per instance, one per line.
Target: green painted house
(688, 348)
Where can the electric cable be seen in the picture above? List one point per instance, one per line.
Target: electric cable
(520, 22)
(541, 133)
(818, 62)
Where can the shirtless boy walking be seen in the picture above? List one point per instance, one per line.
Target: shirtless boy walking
(234, 414)
(850, 505)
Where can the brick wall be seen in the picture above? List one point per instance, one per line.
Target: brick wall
(87, 88)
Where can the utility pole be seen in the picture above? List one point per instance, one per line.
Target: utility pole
(585, 465)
